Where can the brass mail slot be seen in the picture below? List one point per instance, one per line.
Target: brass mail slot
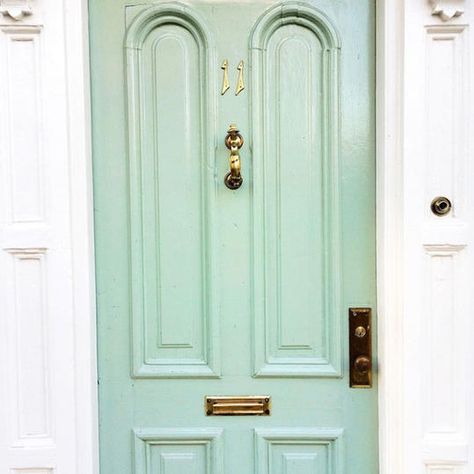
(258, 405)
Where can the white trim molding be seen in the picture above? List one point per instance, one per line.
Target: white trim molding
(47, 324)
(425, 263)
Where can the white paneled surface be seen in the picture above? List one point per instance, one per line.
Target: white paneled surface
(426, 269)
(46, 292)
(27, 345)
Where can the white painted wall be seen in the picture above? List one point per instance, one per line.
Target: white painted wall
(426, 270)
(47, 339)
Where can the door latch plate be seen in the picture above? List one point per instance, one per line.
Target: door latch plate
(360, 347)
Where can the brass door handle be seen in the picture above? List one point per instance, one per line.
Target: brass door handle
(362, 365)
(234, 141)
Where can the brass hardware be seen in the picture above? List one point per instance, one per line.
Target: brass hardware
(225, 79)
(240, 80)
(441, 206)
(360, 347)
(360, 331)
(258, 405)
(362, 365)
(234, 141)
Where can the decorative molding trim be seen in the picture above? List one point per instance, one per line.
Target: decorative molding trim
(26, 252)
(15, 9)
(200, 356)
(47, 330)
(271, 442)
(447, 9)
(186, 440)
(304, 360)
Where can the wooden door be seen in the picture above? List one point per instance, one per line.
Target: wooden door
(206, 291)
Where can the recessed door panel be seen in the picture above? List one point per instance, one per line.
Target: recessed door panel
(177, 451)
(296, 201)
(299, 451)
(171, 203)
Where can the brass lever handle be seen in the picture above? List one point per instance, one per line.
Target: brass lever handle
(234, 141)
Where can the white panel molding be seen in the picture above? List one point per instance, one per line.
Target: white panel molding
(47, 328)
(27, 349)
(425, 262)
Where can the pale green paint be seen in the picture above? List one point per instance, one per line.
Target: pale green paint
(178, 451)
(172, 194)
(200, 287)
(295, 199)
(299, 451)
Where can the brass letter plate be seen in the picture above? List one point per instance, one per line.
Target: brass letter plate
(235, 406)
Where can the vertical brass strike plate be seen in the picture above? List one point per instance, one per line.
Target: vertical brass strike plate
(360, 347)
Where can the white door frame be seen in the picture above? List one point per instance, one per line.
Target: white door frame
(425, 264)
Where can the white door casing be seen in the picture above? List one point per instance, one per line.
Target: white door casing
(425, 267)
(47, 318)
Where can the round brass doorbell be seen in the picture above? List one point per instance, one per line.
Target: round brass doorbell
(441, 205)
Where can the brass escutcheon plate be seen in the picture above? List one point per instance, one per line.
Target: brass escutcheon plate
(360, 347)
(255, 405)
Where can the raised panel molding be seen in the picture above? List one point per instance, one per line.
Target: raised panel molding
(297, 321)
(38, 470)
(22, 129)
(444, 344)
(446, 117)
(298, 451)
(176, 450)
(444, 468)
(28, 349)
(32, 471)
(172, 187)
(447, 9)
(444, 326)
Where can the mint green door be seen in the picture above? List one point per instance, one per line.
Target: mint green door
(207, 291)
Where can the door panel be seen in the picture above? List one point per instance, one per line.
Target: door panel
(296, 199)
(172, 196)
(299, 451)
(206, 291)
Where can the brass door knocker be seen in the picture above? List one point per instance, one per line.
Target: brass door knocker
(234, 141)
